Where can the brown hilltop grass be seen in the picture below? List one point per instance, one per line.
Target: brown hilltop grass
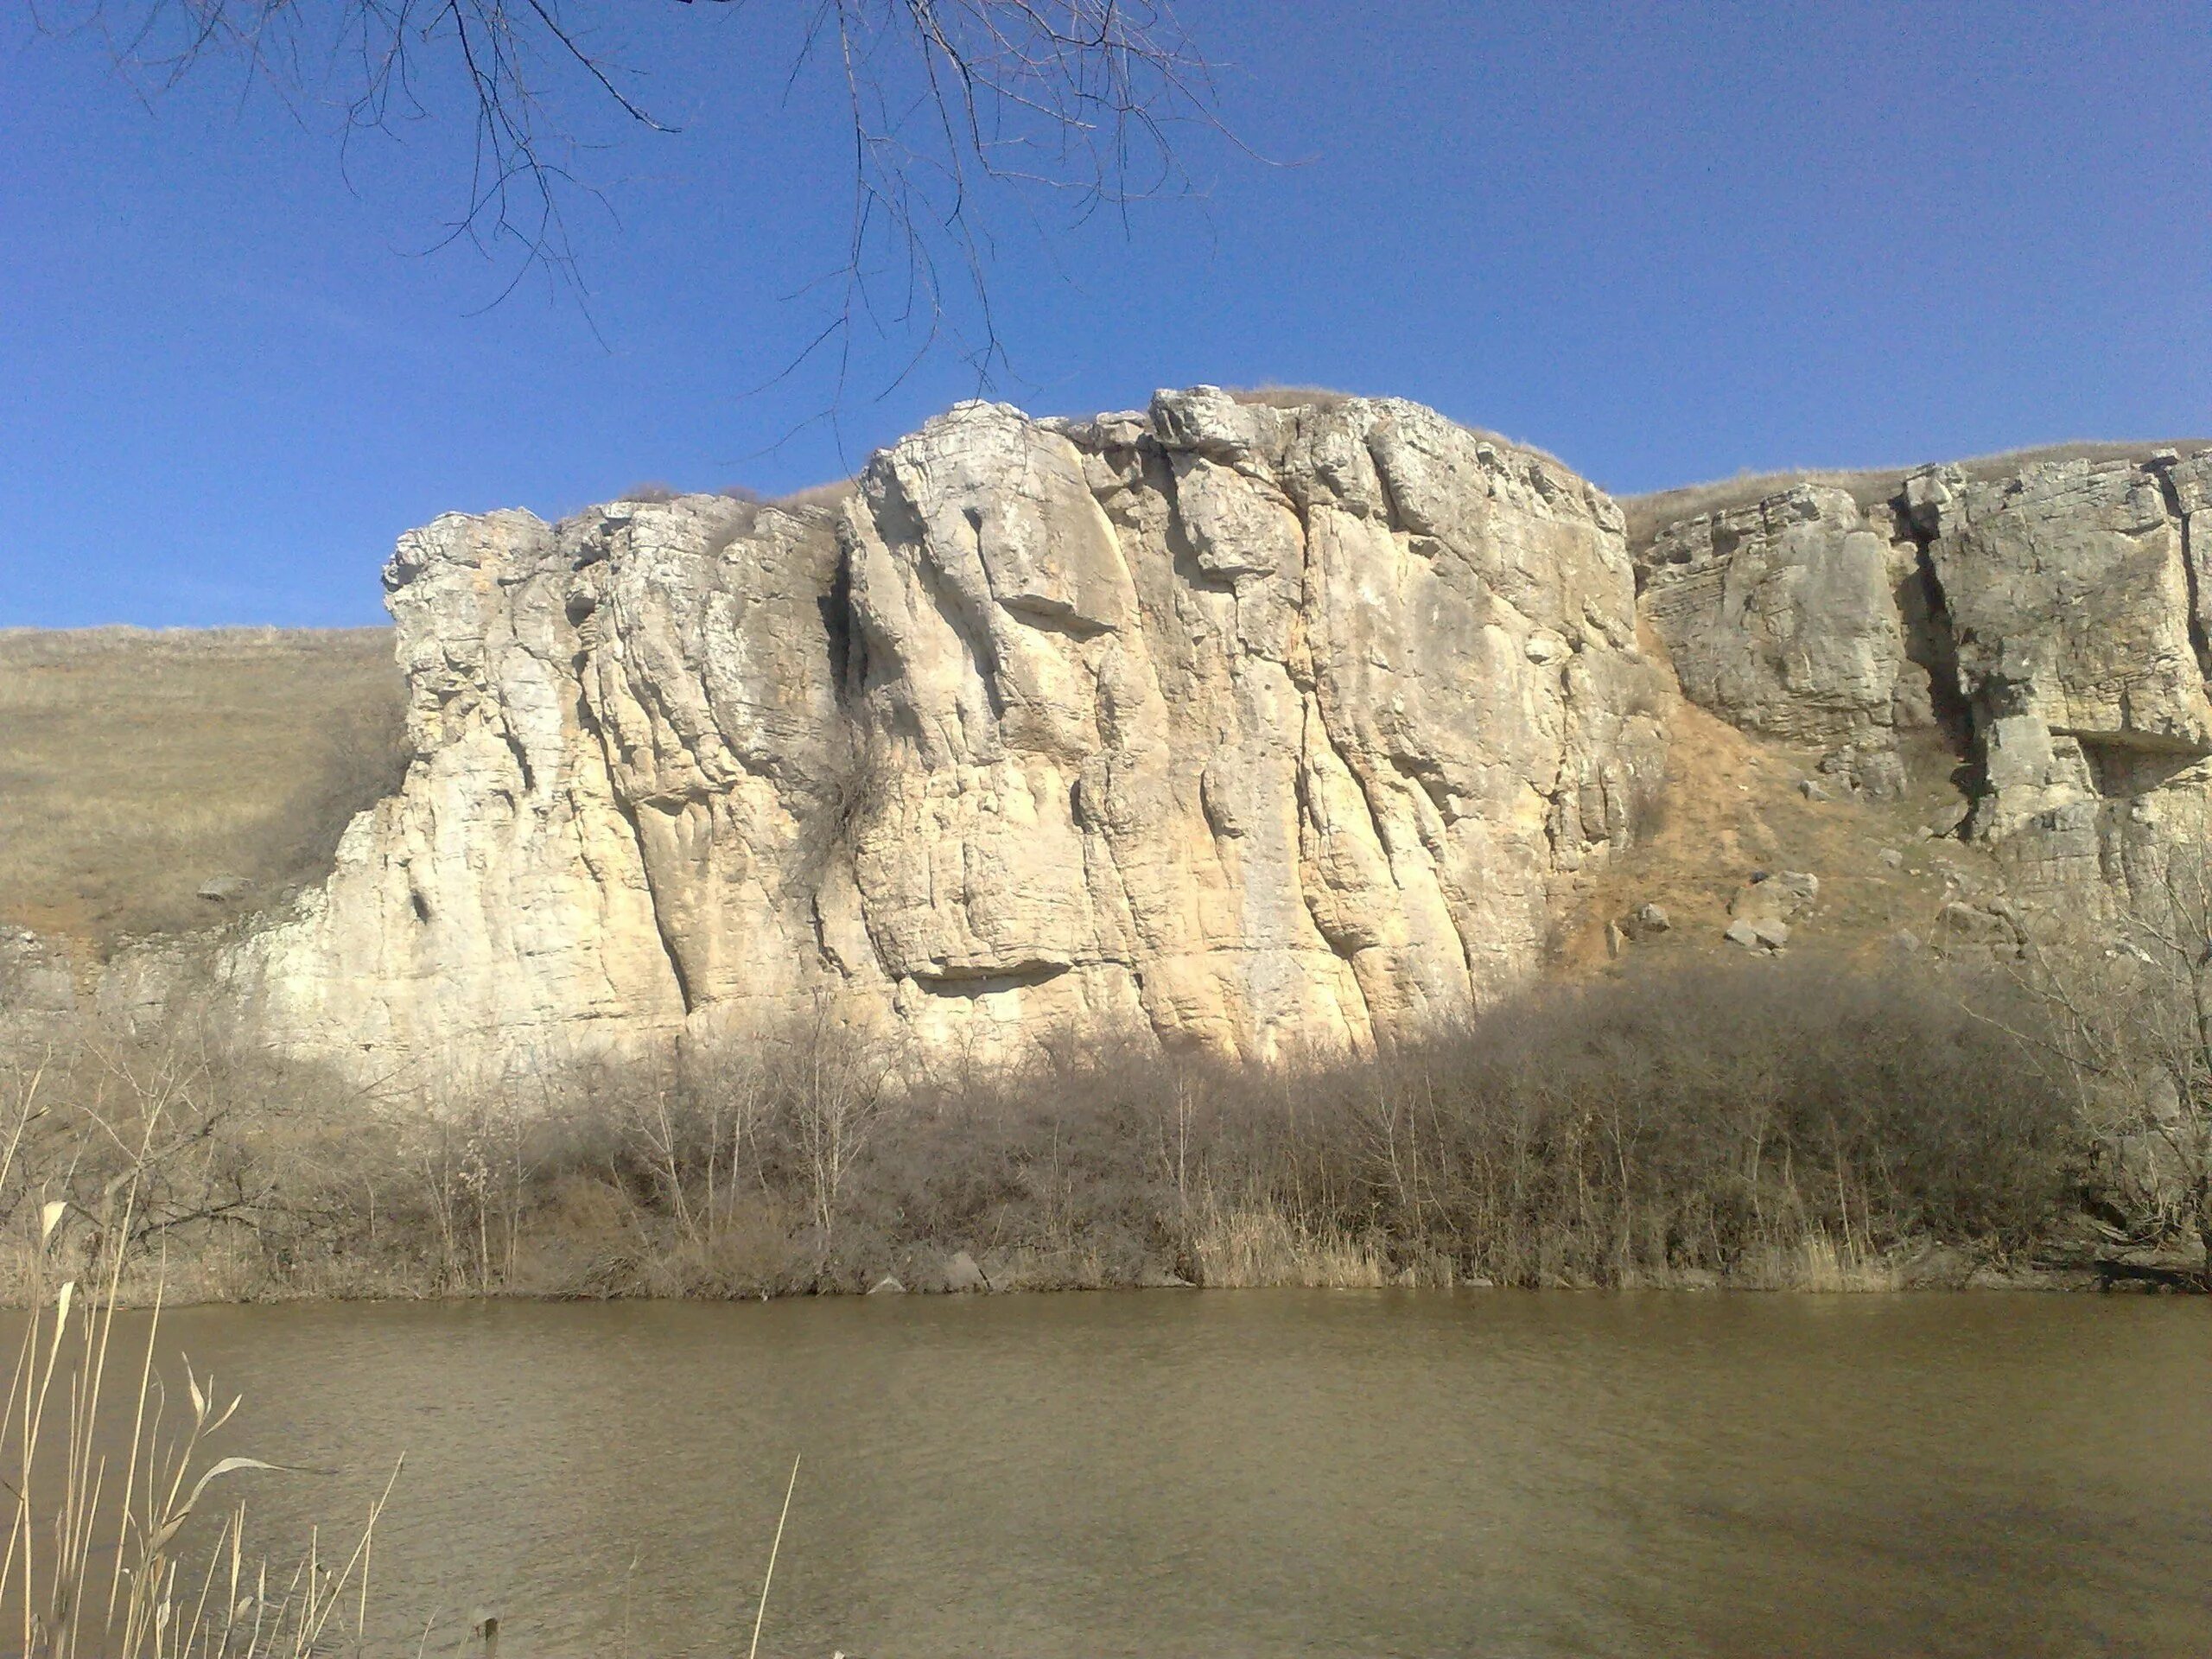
(136, 764)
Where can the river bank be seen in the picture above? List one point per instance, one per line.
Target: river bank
(1239, 1253)
(1782, 1126)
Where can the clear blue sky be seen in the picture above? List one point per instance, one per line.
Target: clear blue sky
(1667, 242)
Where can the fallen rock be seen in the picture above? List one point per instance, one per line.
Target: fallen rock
(1764, 934)
(1775, 899)
(222, 889)
(1811, 790)
(962, 1273)
(1979, 928)
(1891, 858)
(1646, 921)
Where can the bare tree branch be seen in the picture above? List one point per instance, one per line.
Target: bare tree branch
(949, 102)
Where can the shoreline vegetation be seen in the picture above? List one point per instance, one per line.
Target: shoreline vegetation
(1792, 1125)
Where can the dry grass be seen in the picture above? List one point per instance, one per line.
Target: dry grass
(100, 1547)
(1256, 1246)
(136, 766)
(825, 495)
(1648, 514)
(1273, 396)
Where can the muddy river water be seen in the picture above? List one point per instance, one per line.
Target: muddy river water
(1256, 1472)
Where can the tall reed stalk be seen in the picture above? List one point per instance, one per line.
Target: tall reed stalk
(98, 1561)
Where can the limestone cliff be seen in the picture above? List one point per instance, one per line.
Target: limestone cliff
(1231, 726)
(2054, 614)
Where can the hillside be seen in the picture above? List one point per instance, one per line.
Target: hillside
(137, 766)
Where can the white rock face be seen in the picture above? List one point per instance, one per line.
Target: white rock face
(2063, 609)
(1235, 728)
(1783, 617)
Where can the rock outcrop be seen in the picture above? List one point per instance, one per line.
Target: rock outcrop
(1218, 726)
(2060, 610)
(1784, 618)
(1225, 727)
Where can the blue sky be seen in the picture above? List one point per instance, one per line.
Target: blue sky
(1666, 242)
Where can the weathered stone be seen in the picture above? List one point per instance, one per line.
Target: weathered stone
(962, 1273)
(1214, 726)
(222, 889)
(2061, 610)
(1763, 933)
(1978, 928)
(1223, 727)
(1781, 617)
(1775, 897)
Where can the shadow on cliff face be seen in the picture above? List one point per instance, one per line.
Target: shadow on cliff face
(1788, 1124)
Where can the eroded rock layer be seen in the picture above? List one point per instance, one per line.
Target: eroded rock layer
(2058, 613)
(1223, 725)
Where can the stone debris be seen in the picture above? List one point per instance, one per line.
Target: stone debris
(1779, 897)
(1764, 933)
(962, 1273)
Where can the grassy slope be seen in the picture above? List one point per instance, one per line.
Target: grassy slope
(135, 766)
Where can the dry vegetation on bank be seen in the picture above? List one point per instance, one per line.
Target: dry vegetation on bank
(1775, 1124)
(135, 767)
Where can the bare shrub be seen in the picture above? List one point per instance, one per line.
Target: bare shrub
(1785, 1123)
(2126, 1005)
(652, 491)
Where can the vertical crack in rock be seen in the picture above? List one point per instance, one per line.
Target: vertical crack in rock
(2170, 493)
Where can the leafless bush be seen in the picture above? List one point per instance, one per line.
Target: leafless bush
(1786, 1123)
(848, 794)
(2126, 1005)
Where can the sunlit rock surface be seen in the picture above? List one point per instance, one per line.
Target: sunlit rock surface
(1230, 728)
